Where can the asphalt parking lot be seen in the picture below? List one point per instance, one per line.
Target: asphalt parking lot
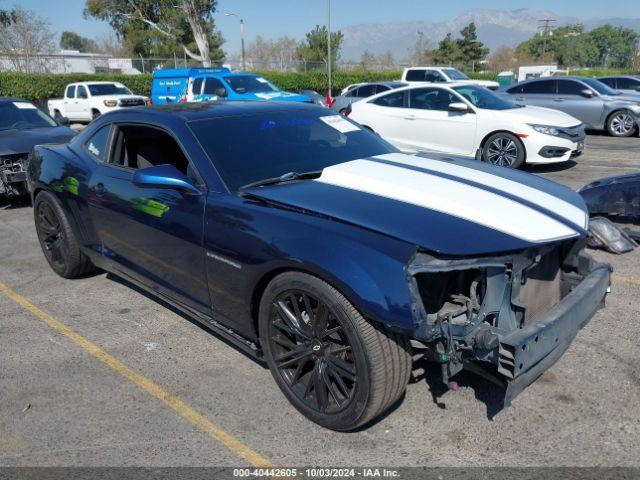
(95, 373)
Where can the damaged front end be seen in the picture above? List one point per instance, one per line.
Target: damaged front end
(13, 176)
(508, 317)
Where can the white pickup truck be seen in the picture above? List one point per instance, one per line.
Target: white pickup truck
(443, 75)
(86, 101)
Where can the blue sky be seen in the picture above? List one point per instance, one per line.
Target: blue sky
(273, 18)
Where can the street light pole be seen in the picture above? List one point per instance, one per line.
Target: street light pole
(329, 44)
(230, 14)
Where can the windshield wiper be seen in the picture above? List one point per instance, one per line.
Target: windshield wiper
(287, 177)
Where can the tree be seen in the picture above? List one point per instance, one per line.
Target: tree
(502, 59)
(421, 54)
(615, 47)
(148, 24)
(267, 53)
(26, 37)
(448, 51)
(472, 51)
(314, 48)
(367, 60)
(73, 41)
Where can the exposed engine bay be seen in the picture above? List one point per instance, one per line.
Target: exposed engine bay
(505, 314)
(13, 177)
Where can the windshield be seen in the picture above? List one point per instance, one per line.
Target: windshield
(250, 84)
(102, 89)
(600, 87)
(454, 74)
(23, 116)
(262, 146)
(481, 97)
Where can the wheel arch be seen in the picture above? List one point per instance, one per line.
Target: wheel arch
(483, 142)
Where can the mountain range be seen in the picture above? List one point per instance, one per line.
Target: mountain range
(495, 28)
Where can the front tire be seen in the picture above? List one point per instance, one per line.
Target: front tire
(95, 114)
(56, 238)
(337, 369)
(504, 149)
(621, 124)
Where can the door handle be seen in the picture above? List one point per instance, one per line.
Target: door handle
(519, 99)
(558, 99)
(99, 189)
(410, 117)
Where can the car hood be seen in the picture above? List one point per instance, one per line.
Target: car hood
(278, 96)
(482, 83)
(22, 141)
(537, 115)
(624, 97)
(457, 207)
(120, 97)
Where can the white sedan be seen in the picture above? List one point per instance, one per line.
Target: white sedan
(470, 121)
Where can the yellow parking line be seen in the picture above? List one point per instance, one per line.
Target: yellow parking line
(622, 278)
(144, 383)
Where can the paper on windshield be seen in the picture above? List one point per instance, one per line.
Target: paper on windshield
(25, 105)
(339, 123)
(262, 80)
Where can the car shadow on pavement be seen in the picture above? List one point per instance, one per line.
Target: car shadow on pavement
(551, 167)
(485, 391)
(13, 202)
(167, 305)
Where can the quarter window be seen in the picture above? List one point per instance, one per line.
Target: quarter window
(611, 82)
(394, 99)
(97, 144)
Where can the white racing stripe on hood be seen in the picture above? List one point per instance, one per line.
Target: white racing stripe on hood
(537, 197)
(447, 196)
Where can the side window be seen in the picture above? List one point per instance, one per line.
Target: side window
(212, 86)
(196, 88)
(393, 99)
(628, 83)
(382, 88)
(516, 89)
(71, 92)
(415, 75)
(611, 82)
(434, 77)
(429, 99)
(97, 144)
(366, 91)
(540, 87)
(82, 92)
(570, 87)
(138, 147)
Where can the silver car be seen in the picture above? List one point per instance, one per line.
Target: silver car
(587, 99)
(623, 83)
(362, 90)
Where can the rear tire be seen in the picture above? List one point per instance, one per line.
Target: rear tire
(621, 124)
(339, 380)
(57, 240)
(504, 149)
(95, 114)
(57, 116)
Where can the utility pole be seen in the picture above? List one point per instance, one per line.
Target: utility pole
(244, 62)
(545, 23)
(329, 44)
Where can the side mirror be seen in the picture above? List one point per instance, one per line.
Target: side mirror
(587, 93)
(164, 176)
(221, 92)
(459, 107)
(637, 89)
(64, 121)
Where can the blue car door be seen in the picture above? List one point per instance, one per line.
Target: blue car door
(153, 235)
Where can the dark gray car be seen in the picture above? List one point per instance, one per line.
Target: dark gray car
(363, 90)
(623, 83)
(587, 99)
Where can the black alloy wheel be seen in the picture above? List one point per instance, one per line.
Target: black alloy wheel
(338, 369)
(312, 351)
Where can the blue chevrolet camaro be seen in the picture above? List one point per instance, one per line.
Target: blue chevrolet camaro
(311, 242)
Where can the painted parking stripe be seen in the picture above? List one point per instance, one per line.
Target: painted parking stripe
(624, 279)
(447, 196)
(155, 390)
(533, 195)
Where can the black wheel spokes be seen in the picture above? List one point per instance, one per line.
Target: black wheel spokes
(312, 352)
(52, 235)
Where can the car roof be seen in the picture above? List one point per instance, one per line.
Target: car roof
(216, 109)
(634, 77)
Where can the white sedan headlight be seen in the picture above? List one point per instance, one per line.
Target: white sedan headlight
(546, 129)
